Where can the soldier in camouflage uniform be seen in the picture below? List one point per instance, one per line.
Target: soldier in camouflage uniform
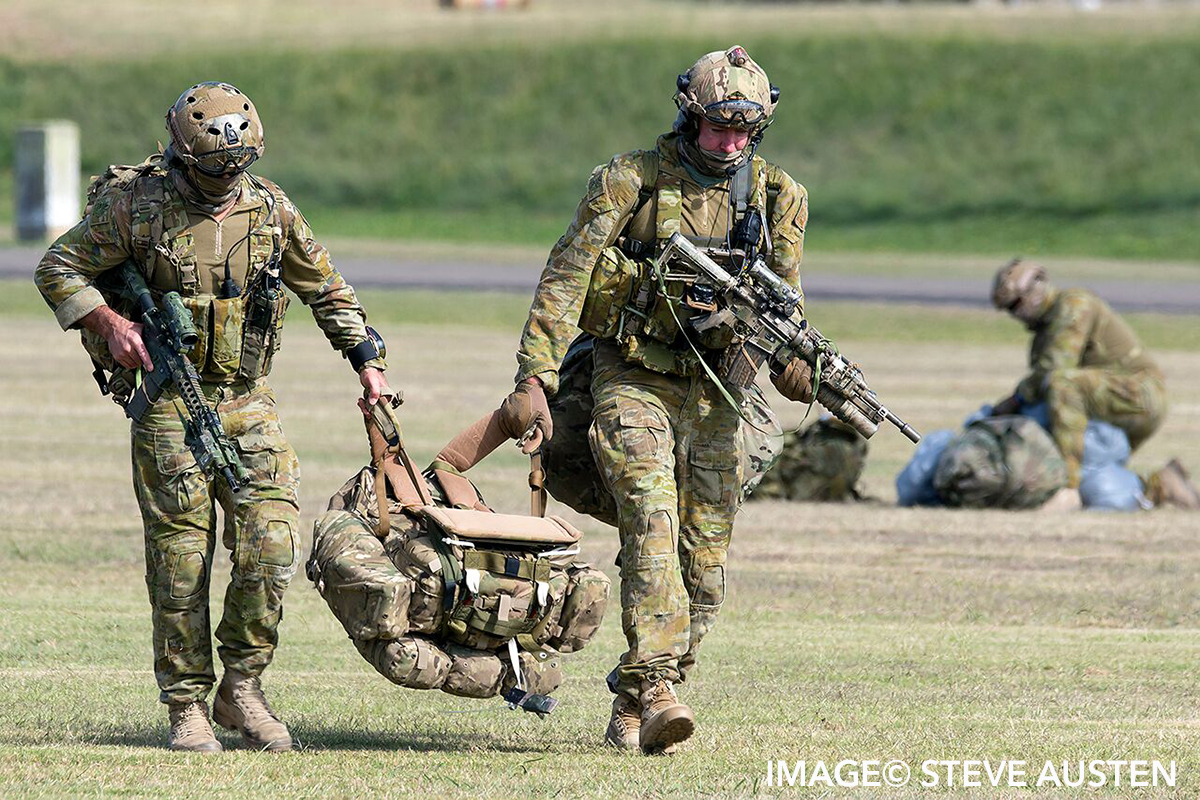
(1086, 363)
(195, 221)
(666, 442)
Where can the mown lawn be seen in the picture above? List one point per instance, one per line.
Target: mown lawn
(851, 632)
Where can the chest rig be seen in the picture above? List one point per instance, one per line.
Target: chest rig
(237, 335)
(626, 298)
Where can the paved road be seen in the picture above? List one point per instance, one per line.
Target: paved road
(1171, 297)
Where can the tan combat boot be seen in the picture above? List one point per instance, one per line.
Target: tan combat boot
(625, 723)
(665, 720)
(240, 706)
(1172, 486)
(190, 729)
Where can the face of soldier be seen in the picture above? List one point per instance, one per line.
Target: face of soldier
(721, 141)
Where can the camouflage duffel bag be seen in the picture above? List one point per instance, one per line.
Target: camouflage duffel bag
(572, 477)
(438, 592)
(1000, 462)
(821, 463)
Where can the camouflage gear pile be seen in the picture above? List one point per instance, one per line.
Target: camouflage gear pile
(179, 516)
(1087, 363)
(428, 614)
(572, 477)
(1000, 462)
(821, 463)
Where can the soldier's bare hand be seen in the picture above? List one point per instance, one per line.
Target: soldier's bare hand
(124, 338)
(126, 345)
(375, 386)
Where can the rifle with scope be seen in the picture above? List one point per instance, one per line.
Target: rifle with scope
(763, 312)
(169, 335)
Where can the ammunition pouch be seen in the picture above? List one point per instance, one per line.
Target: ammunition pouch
(239, 336)
(265, 312)
(615, 278)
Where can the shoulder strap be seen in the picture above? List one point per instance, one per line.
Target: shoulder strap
(638, 230)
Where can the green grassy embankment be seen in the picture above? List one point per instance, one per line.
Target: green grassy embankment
(939, 142)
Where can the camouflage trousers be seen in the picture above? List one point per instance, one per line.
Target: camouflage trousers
(668, 450)
(261, 528)
(1135, 402)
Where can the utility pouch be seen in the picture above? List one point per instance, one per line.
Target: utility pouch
(225, 345)
(201, 307)
(614, 279)
(263, 328)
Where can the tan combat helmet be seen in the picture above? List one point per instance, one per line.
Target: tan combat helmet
(1020, 288)
(215, 129)
(727, 88)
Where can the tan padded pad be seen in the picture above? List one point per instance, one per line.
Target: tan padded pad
(465, 523)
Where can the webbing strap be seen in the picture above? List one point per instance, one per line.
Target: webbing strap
(537, 485)
(451, 573)
(668, 212)
(739, 190)
(530, 569)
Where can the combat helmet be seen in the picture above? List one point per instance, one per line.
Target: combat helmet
(727, 88)
(1020, 288)
(215, 129)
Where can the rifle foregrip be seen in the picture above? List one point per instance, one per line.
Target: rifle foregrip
(845, 411)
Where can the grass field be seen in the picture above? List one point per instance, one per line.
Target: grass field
(863, 632)
(924, 130)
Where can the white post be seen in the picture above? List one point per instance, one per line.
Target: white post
(47, 179)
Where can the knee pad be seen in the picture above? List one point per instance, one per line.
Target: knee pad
(178, 570)
(267, 536)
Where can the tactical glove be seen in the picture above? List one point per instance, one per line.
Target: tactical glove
(525, 415)
(795, 381)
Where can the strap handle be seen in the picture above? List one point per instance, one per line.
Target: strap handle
(387, 446)
(537, 485)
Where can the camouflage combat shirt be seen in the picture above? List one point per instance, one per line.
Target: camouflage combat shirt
(602, 216)
(1078, 329)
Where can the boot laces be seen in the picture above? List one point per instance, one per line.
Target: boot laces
(192, 719)
(661, 693)
(250, 698)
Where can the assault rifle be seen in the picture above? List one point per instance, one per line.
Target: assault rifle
(762, 311)
(169, 336)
